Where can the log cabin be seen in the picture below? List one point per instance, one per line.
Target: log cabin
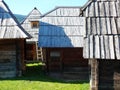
(61, 37)
(102, 43)
(12, 41)
(31, 25)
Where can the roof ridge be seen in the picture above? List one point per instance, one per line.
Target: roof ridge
(30, 14)
(57, 7)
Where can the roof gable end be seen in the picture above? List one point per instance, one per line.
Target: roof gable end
(34, 15)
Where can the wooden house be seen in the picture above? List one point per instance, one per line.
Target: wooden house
(12, 41)
(102, 43)
(31, 25)
(61, 37)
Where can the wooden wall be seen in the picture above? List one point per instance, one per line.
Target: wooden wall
(105, 75)
(11, 57)
(109, 74)
(69, 57)
(73, 57)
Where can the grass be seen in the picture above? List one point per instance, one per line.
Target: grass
(35, 79)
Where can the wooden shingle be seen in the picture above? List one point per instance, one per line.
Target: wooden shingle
(62, 27)
(9, 26)
(33, 17)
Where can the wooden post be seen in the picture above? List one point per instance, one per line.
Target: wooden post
(22, 55)
(47, 60)
(36, 43)
(34, 52)
(94, 74)
(61, 61)
(17, 58)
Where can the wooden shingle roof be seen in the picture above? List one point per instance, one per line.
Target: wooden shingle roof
(34, 15)
(62, 27)
(63, 11)
(102, 40)
(101, 8)
(9, 26)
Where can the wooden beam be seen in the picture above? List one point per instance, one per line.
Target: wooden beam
(61, 61)
(23, 41)
(94, 74)
(36, 43)
(47, 59)
(17, 58)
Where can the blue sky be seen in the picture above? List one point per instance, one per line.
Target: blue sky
(23, 7)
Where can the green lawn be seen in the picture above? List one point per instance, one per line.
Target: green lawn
(35, 79)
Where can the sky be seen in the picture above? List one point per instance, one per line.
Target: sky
(23, 7)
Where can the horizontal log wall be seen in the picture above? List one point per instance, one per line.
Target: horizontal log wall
(70, 57)
(11, 57)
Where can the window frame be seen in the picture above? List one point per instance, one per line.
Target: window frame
(55, 56)
(34, 24)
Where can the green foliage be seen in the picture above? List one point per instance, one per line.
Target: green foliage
(36, 79)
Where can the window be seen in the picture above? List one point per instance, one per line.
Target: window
(35, 24)
(55, 56)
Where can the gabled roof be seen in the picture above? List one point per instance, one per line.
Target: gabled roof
(101, 8)
(102, 29)
(86, 5)
(34, 15)
(62, 28)
(60, 11)
(91, 1)
(9, 26)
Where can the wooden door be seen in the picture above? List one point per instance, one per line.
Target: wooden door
(55, 61)
(31, 53)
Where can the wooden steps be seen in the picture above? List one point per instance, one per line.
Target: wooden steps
(39, 54)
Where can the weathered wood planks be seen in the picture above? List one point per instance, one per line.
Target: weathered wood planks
(102, 47)
(62, 29)
(33, 16)
(102, 29)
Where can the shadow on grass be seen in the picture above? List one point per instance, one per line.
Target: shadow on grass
(36, 73)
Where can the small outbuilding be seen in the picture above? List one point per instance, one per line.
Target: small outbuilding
(102, 43)
(31, 25)
(12, 41)
(61, 37)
